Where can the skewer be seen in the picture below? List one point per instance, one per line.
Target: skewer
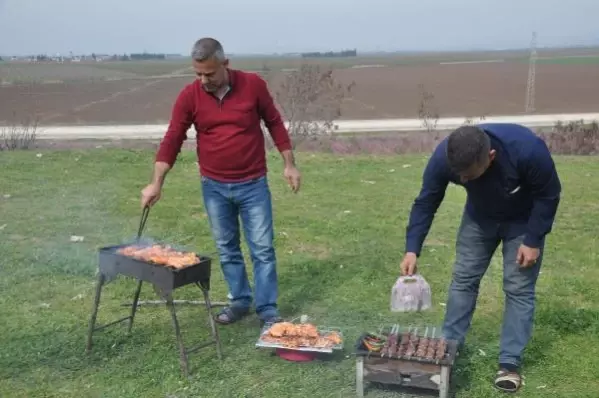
(394, 342)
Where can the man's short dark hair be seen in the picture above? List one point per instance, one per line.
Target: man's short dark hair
(467, 146)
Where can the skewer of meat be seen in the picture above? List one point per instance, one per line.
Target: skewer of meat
(403, 345)
(423, 345)
(412, 344)
(432, 347)
(441, 347)
(430, 351)
(393, 345)
(385, 350)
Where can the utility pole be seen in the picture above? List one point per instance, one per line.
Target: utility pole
(530, 86)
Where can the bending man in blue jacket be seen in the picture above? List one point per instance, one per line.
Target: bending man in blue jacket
(513, 193)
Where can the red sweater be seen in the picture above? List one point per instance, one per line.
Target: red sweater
(230, 143)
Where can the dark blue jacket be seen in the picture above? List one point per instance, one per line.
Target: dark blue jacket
(521, 187)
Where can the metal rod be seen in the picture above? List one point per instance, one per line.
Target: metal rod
(213, 327)
(189, 302)
(182, 355)
(142, 222)
(134, 305)
(200, 346)
(112, 323)
(92, 321)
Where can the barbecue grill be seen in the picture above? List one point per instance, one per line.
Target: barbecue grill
(413, 357)
(164, 280)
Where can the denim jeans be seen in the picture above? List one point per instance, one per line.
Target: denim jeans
(476, 244)
(225, 204)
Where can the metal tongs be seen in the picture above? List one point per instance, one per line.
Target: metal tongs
(142, 223)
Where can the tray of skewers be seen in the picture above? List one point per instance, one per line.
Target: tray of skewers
(421, 344)
(300, 337)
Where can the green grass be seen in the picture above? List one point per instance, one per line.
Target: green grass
(339, 243)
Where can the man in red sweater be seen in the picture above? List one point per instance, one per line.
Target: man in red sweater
(225, 106)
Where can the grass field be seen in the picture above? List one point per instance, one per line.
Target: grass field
(339, 243)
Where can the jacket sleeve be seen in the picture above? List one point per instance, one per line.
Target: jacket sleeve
(541, 176)
(272, 117)
(434, 184)
(176, 134)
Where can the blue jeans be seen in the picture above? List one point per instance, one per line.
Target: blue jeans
(476, 244)
(225, 204)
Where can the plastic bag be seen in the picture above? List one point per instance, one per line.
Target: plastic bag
(411, 293)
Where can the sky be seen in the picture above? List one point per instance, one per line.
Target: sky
(282, 26)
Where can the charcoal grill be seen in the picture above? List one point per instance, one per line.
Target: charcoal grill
(397, 368)
(164, 281)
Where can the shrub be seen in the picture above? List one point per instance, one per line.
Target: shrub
(573, 138)
(428, 112)
(19, 135)
(310, 100)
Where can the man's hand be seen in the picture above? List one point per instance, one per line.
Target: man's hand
(150, 194)
(527, 256)
(293, 177)
(409, 264)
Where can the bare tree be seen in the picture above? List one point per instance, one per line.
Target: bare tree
(19, 134)
(310, 100)
(428, 112)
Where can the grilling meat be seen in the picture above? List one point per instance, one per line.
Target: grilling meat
(412, 345)
(441, 347)
(430, 351)
(405, 339)
(385, 350)
(292, 335)
(162, 255)
(403, 344)
(392, 351)
(422, 347)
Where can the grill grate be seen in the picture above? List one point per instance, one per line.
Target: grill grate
(323, 331)
(411, 343)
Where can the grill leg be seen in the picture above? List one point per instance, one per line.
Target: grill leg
(215, 335)
(92, 321)
(134, 306)
(444, 385)
(182, 354)
(360, 377)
